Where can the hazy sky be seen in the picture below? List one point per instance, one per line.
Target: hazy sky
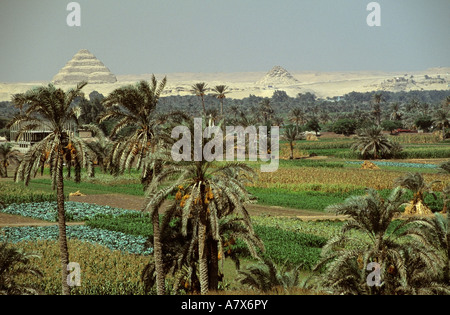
(166, 36)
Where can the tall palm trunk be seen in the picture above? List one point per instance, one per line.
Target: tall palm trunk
(213, 265)
(203, 104)
(203, 257)
(447, 272)
(157, 254)
(63, 248)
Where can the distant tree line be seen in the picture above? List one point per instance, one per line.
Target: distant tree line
(341, 114)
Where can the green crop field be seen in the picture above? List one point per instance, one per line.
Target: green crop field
(114, 244)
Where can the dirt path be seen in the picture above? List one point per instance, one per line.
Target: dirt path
(136, 203)
(9, 220)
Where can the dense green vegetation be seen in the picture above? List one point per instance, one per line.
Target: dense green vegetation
(207, 221)
(10, 193)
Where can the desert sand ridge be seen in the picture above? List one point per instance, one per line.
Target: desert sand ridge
(242, 84)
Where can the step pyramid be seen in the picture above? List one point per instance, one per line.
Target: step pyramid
(84, 66)
(277, 76)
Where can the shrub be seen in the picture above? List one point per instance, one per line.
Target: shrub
(345, 127)
(424, 122)
(391, 125)
(16, 194)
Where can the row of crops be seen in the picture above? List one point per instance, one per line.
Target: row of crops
(128, 231)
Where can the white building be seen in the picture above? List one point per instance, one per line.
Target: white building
(31, 137)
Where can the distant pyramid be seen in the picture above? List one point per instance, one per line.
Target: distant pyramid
(278, 76)
(84, 66)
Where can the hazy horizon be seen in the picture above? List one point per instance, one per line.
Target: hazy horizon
(195, 36)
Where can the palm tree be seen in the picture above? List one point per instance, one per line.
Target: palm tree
(371, 143)
(324, 118)
(278, 121)
(292, 134)
(7, 156)
(435, 232)
(265, 276)
(396, 113)
(100, 146)
(13, 263)
(446, 198)
(377, 99)
(135, 107)
(213, 116)
(246, 120)
(446, 103)
(200, 89)
(180, 254)
(416, 183)
(400, 258)
(266, 110)
(441, 120)
(297, 116)
(234, 110)
(52, 108)
(444, 168)
(220, 92)
(412, 105)
(205, 194)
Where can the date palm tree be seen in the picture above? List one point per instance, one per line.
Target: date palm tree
(134, 106)
(266, 110)
(213, 116)
(7, 156)
(441, 120)
(371, 143)
(234, 110)
(265, 276)
(204, 194)
(292, 134)
(396, 113)
(51, 107)
(100, 146)
(446, 103)
(180, 252)
(200, 89)
(297, 116)
(401, 260)
(435, 232)
(13, 263)
(444, 168)
(377, 100)
(220, 92)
